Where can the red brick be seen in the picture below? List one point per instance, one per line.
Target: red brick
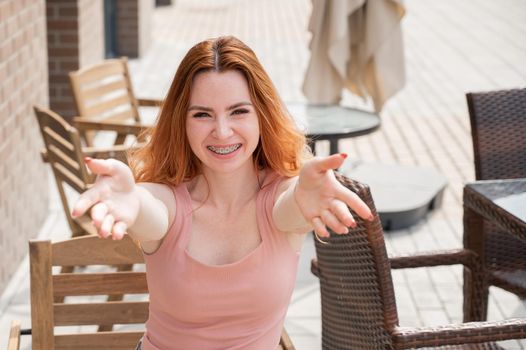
(61, 24)
(63, 51)
(68, 37)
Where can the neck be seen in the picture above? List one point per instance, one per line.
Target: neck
(226, 190)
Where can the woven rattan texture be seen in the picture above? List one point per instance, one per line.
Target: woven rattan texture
(358, 301)
(354, 309)
(498, 127)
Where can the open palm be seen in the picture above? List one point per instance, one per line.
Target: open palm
(325, 202)
(113, 199)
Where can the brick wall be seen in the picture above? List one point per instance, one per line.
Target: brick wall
(75, 39)
(23, 83)
(133, 26)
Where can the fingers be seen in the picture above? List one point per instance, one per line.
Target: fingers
(341, 211)
(331, 162)
(337, 217)
(98, 213)
(319, 227)
(330, 220)
(106, 226)
(85, 201)
(101, 166)
(354, 202)
(110, 227)
(119, 230)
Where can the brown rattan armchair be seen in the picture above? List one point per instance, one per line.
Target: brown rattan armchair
(498, 128)
(357, 296)
(104, 97)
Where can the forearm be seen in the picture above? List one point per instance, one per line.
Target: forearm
(286, 212)
(151, 223)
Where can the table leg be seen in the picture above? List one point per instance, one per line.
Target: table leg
(475, 283)
(334, 148)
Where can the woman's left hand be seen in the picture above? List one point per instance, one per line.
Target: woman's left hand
(323, 200)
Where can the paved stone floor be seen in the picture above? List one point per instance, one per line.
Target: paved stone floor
(451, 46)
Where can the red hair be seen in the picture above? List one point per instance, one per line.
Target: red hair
(167, 157)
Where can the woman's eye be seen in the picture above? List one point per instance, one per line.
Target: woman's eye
(201, 115)
(240, 111)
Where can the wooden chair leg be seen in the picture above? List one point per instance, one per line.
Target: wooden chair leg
(14, 336)
(285, 342)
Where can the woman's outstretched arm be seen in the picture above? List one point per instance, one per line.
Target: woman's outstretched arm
(119, 205)
(316, 200)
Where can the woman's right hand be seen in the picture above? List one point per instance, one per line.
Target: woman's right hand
(113, 198)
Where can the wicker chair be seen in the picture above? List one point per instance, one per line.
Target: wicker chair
(357, 296)
(498, 127)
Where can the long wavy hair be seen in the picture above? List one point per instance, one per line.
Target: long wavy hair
(167, 157)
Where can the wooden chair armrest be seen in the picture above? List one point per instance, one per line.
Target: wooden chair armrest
(149, 102)
(119, 152)
(83, 124)
(454, 334)
(436, 258)
(14, 336)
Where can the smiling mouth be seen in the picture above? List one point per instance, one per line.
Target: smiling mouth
(224, 150)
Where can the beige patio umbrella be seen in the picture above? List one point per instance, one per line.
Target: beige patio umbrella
(356, 45)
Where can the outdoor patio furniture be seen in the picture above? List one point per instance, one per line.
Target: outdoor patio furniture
(357, 295)
(495, 202)
(83, 309)
(498, 128)
(103, 94)
(65, 155)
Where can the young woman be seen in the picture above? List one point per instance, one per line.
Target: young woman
(223, 195)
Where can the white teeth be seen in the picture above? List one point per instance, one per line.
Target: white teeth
(224, 150)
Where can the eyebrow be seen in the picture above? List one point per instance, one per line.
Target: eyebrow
(208, 109)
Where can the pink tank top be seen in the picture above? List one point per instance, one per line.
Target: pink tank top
(241, 305)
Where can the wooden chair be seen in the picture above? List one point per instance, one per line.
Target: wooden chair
(104, 94)
(358, 301)
(46, 286)
(65, 155)
(498, 128)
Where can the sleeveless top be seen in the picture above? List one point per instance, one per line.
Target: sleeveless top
(241, 305)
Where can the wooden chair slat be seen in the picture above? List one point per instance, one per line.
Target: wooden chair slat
(71, 165)
(63, 174)
(101, 340)
(121, 116)
(116, 312)
(99, 283)
(55, 154)
(98, 109)
(88, 75)
(96, 92)
(104, 92)
(54, 138)
(102, 252)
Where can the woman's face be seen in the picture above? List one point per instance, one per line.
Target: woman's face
(221, 122)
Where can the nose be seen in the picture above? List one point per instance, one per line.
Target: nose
(222, 129)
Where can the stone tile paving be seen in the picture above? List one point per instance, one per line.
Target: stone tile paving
(452, 47)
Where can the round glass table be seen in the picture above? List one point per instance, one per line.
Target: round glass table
(332, 122)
